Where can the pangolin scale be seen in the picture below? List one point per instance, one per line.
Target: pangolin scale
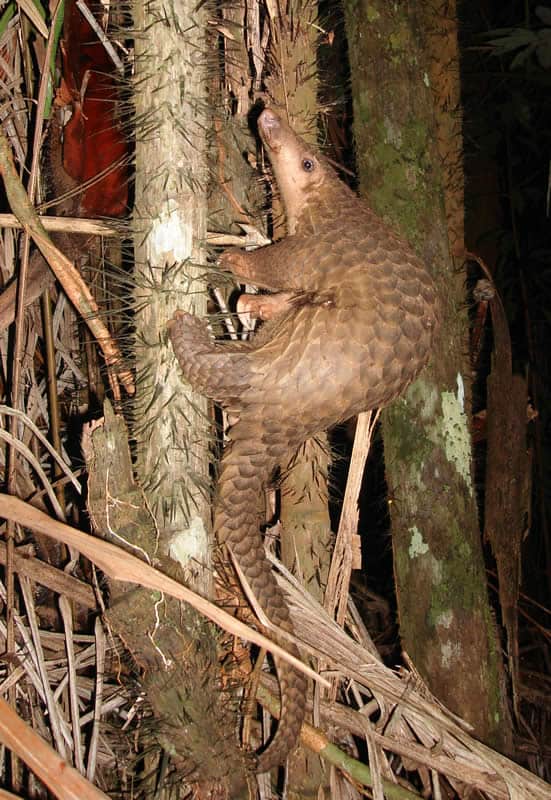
(352, 327)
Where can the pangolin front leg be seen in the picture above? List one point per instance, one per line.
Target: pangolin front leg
(260, 266)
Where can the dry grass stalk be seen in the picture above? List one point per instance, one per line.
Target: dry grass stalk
(93, 227)
(121, 566)
(411, 723)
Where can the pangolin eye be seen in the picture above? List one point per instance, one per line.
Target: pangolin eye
(308, 164)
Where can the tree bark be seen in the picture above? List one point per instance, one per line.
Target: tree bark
(446, 624)
(293, 85)
(276, 51)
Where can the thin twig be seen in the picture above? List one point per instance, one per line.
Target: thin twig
(336, 596)
(17, 445)
(318, 742)
(63, 780)
(78, 225)
(52, 706)
(44, 441)
(19, 331)
(100, 670)
(67, 616)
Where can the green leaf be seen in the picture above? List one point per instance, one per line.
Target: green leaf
(7, 15)
(58, 29)
(509, 39)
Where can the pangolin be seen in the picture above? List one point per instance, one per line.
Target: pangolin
(354, 327)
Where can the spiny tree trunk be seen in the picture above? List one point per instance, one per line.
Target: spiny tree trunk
(170, 423)
(293, 85)
(446, 624)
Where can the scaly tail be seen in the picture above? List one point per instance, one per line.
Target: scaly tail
(246, 469)
(211, 368)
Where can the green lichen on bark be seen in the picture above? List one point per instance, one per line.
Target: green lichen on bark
(448, 631)
(455, 432)
(396, 158)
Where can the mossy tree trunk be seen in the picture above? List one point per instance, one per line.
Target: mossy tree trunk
(446, 624)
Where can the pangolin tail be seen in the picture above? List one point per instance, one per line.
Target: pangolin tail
(246, 469)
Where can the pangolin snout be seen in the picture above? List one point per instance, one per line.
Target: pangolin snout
(270, 127)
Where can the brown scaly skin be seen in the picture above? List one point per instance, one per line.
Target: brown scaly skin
(355, 325)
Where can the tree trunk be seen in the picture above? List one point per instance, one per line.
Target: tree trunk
(279, 51)
(293, 85)
(446, 624)
(170, 423)
(171, 426)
